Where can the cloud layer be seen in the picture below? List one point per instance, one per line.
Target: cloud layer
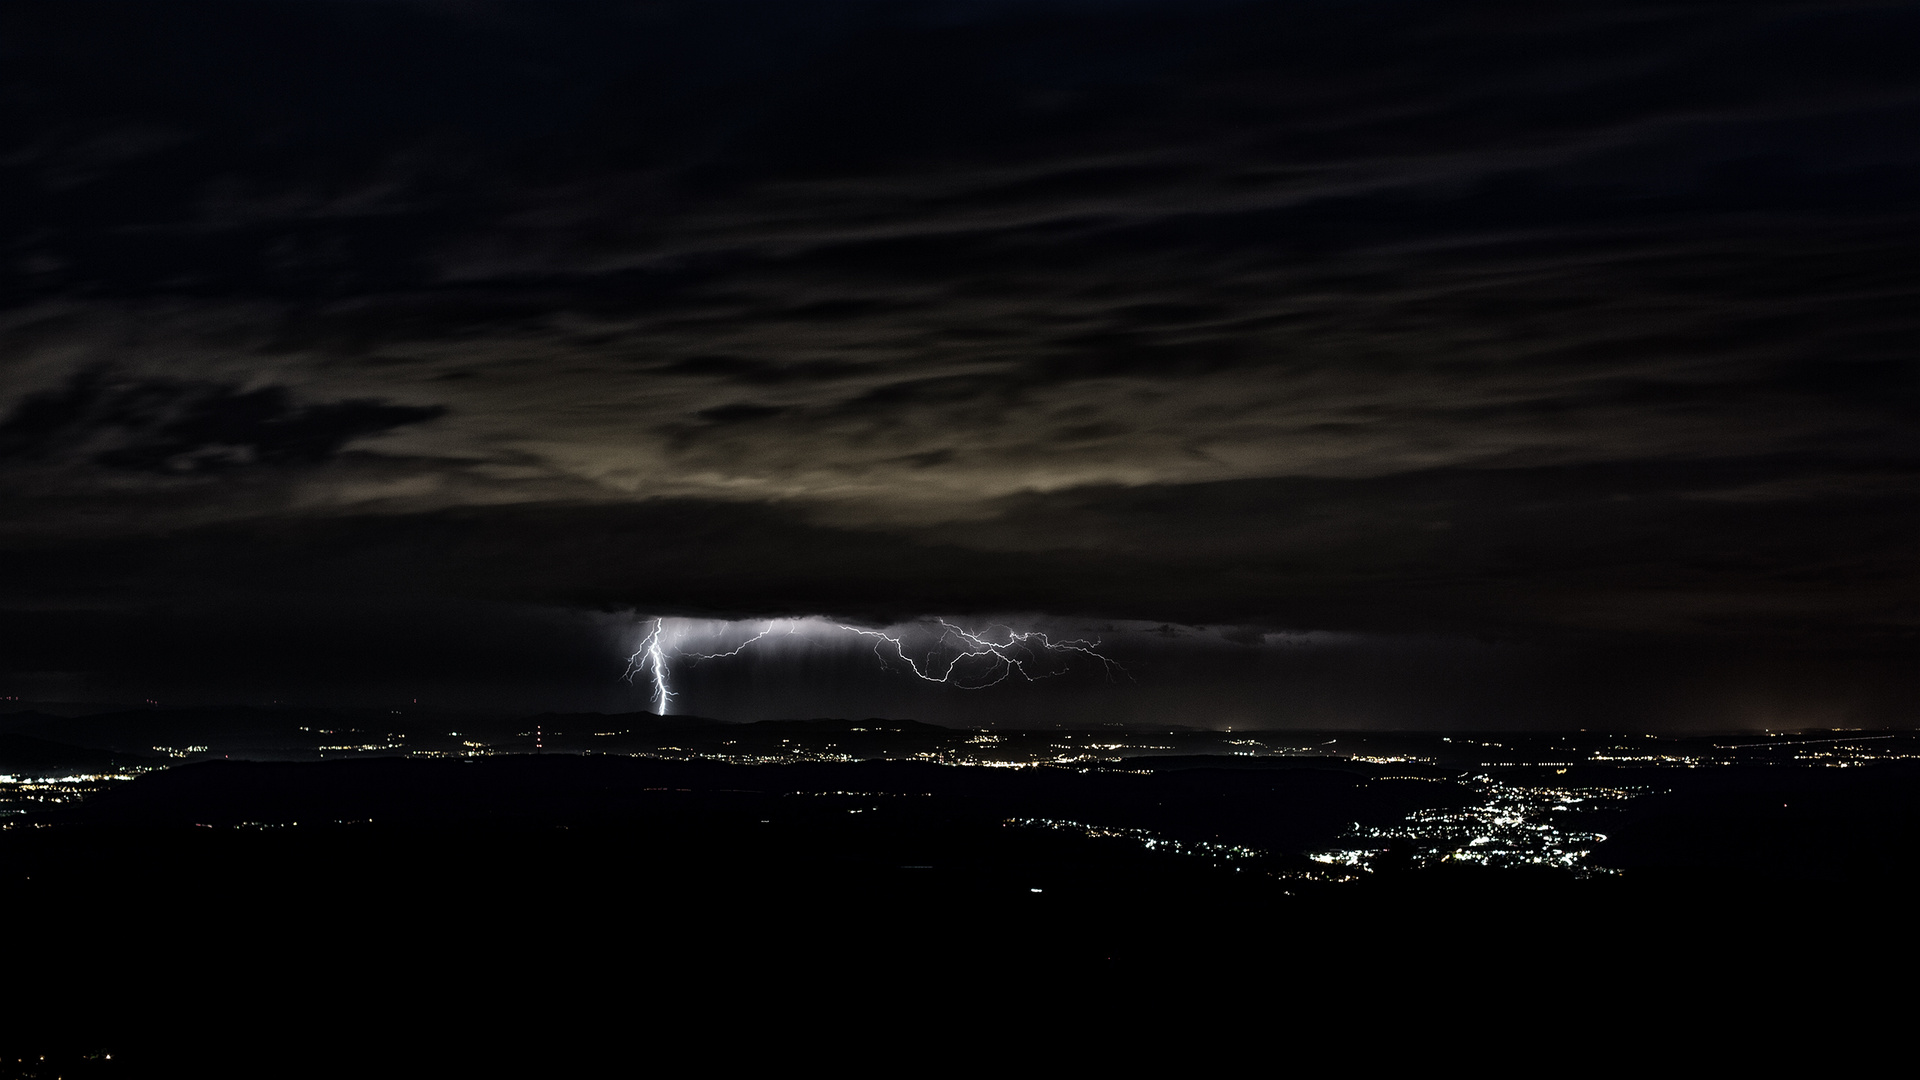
(1462, 318)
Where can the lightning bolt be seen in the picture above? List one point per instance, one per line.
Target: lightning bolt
(1010, 657)
(697, 657)
(958, 657)
(651, 659)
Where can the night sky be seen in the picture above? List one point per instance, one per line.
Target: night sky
(1416, 364)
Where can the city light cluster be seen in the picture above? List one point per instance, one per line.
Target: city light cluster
(1150, 840)
(1509, 824)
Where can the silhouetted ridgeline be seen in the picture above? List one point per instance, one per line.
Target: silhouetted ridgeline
(24, 755)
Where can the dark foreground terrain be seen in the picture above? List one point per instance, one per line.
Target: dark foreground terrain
(571, 915)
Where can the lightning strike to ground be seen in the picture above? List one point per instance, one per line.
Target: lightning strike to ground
(949, 660)
(652, 659)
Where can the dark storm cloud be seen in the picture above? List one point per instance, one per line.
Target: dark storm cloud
(159, 425)
(1442, 318)
(519, 605)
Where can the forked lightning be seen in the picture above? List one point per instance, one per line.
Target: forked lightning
(956, 657)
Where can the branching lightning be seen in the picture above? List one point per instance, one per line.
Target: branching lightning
(742, 647)
(651, 658)
(1009, 657)
(956, 657)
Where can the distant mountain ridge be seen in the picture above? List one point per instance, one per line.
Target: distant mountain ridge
(30, 756)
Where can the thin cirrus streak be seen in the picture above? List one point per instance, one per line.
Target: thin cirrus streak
(951, 655)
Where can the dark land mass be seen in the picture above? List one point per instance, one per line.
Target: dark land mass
(299, 733)
(1843, 825)
(1857, 824)
(292, 733)
(1283, 811)
(1173, 763)
(471, 907)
